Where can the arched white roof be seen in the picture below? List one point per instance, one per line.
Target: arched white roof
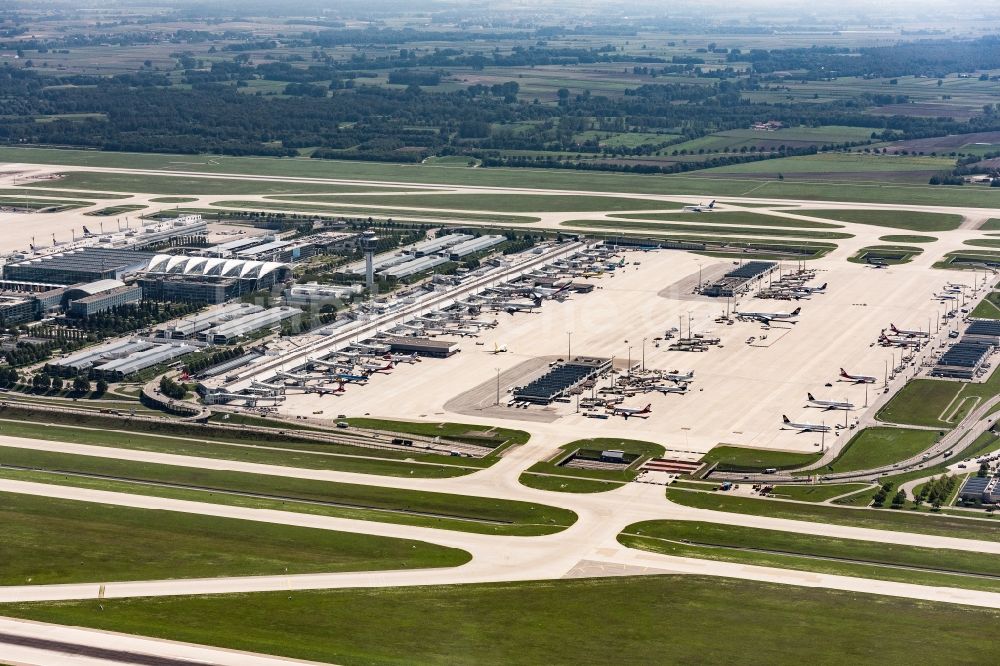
(184, 265)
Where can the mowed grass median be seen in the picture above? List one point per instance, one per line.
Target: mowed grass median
(896, 219)
(876, 519)
(819, 554)
(48, 541)
(342, 500)
(552, 475)
(309, 455)
(640, 620)
(877, 447)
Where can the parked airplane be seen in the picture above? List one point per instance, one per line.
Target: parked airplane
(768, 317)
(702, 208)
(664, 389)
(811, 290)
(633, 411)
(909, 334)
(402, 358)
(858, 379)
(375, 367)
(499, 349)
(886, 341)
(803, 427)
(545, 292)
(354, 379)
(829, 404)
(679, 376)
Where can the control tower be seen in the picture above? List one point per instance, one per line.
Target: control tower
(368, 242)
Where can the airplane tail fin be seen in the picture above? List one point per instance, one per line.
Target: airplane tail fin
(648, 408)
(712, 204)
(823, 286)
(796, 311)
(784, 419)
(810, 396)
(87, 231)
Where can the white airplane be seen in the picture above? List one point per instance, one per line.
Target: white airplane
(829, 404)
(679, 376)
(545, 292)
(885, 340)
(633, 411)
(499, 349)
(702, 208)
(768, 317)
(858, 379)
(375, 367)
(664, 389)
(811, 290)
(803, 427)
(402, 358)
(464, 332)
(909, 334)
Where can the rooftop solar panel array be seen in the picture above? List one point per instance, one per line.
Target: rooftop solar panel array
(556, 382)
(751, 269)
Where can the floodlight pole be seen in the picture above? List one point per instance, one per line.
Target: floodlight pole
(569, 345)
(644, 354)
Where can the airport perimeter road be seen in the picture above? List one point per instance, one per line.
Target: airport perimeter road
(26, 642)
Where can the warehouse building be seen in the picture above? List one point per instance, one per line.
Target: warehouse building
(83, 300)
(278, 250)
(189, 327)
(233, 330)
(87, 264)
(17, 308)
(313, 294)
(154, 355)
(88, 358)
(436, 245)
(413, 267)
(473, 246)
(421, 346)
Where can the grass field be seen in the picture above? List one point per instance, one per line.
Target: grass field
(550, 475)
(988, 308)
(174, 199)
(477, 434)
(992, 224)
(969, 260)
(501, 203)
(877, 447)
(907, 238)
(922, 402)
(664, 227)
(117, 210)
(886, 254)
(896, 219)
(816, 493)
(310, 456)
(646, 619)
(825, 163)
(366, 211)
(716, 185)
(743, 459)
(44, 205)
(809, 552)
(39, 190)
(49, 540)
(180, 184)
(734, 217)
(876, 519)
(342, 500)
